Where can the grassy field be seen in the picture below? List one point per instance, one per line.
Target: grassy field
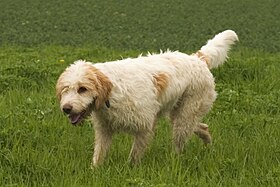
(38, 39)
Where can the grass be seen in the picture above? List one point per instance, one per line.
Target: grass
(138, 25)
(38, 147)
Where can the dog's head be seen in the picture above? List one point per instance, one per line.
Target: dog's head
(81, 89)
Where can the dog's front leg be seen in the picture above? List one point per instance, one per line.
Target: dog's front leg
(103, 139)
(141, 141)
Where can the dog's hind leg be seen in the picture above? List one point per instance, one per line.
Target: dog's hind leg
(184, 121)
(202, 132)
(186, 116)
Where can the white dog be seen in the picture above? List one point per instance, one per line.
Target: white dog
(132, 94)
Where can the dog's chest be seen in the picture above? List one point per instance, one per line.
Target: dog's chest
(125, 117)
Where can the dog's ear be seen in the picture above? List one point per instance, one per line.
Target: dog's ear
(102, 84)
(59, 87)
(104, 89)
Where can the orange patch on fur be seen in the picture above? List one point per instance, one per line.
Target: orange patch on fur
(202, 57)
(160, 82)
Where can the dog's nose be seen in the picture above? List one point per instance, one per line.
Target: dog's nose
(67, 109)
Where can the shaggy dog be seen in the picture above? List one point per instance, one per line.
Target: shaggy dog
(130, 95)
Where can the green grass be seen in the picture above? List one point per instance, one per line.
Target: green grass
(38, 146)
(139, 25)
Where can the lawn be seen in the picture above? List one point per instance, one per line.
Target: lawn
(38, 39)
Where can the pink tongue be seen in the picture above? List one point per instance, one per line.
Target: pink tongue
(75, 118)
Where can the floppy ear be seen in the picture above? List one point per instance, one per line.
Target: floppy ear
(102, 84)
(59, 87)
(104, 90)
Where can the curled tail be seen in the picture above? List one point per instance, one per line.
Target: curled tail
(214, 53)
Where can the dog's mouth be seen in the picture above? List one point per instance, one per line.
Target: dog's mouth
(77, 118)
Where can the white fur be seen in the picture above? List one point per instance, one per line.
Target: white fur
(217, 48)
(137, 98)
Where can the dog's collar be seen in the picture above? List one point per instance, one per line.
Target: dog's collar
(107, 103)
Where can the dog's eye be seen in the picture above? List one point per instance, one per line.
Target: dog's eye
(82, 90)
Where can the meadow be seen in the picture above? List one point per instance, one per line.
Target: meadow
(39, 39)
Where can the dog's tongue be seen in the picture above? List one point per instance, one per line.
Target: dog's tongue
(75, 118)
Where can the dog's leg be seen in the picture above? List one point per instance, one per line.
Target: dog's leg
(103, 139)
(184, 120)
(187, 114)
(141, 141)
(181, 132)
(202, 132)
(201, 129)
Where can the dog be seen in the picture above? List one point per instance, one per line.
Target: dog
(130, 95)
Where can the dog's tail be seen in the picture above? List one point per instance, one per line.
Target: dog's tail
(214, 53)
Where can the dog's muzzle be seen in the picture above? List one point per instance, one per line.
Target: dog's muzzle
(76, 118)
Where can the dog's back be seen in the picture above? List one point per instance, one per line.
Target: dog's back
(155, 82)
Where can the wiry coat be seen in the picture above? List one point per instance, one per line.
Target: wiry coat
(131, 94)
